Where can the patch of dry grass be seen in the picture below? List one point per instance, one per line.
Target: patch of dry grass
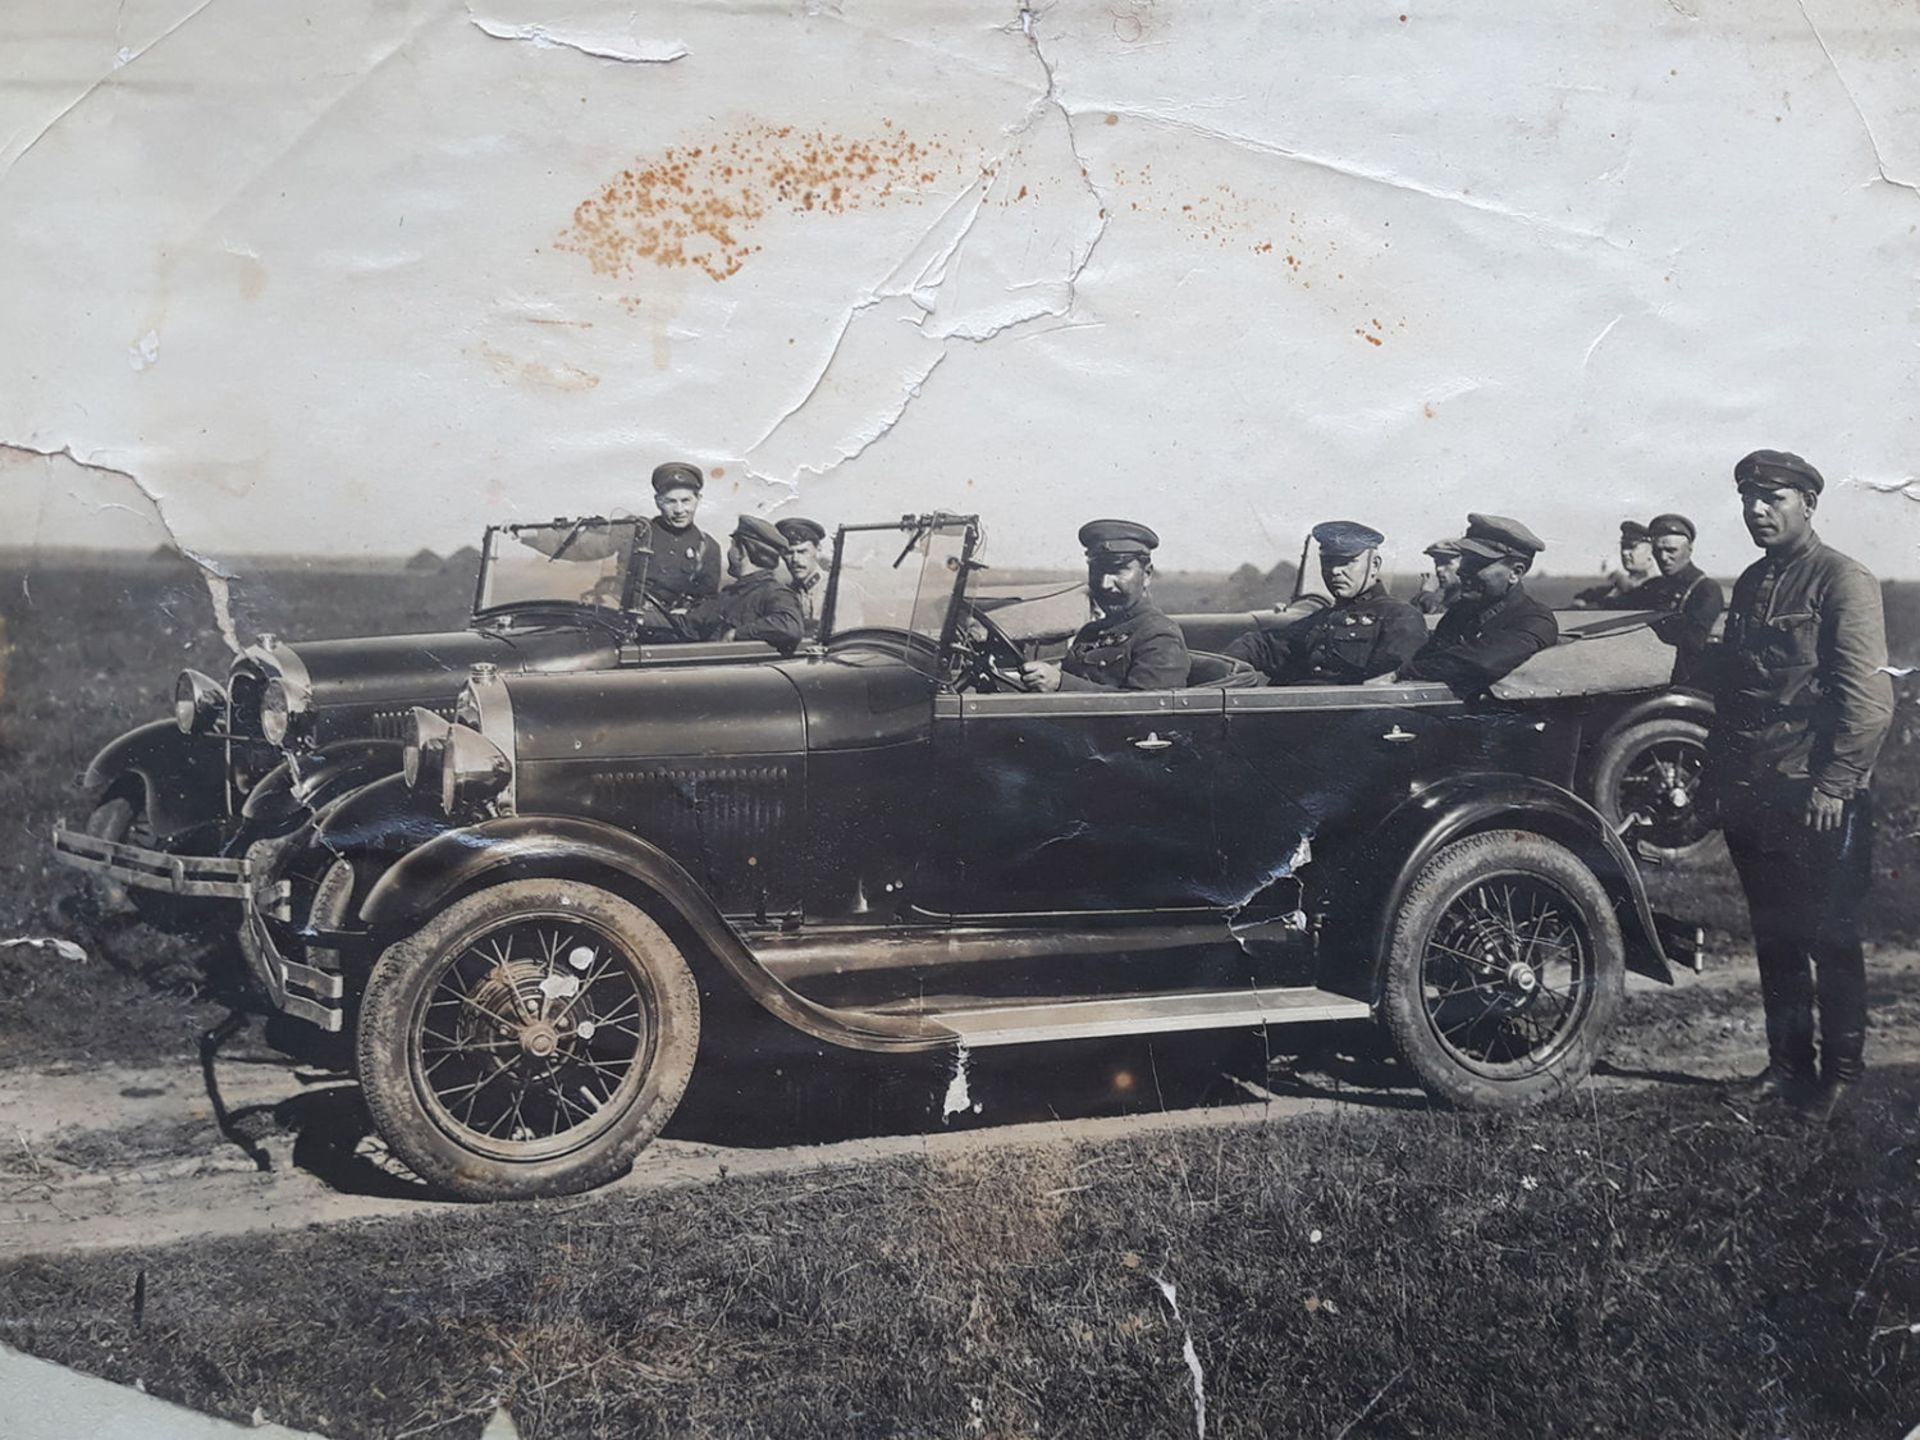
(1646, 1263)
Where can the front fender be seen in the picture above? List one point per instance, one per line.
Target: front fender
(182, 778)
(534, 845)
(280, 801)
(1462, 805)
(384, 817)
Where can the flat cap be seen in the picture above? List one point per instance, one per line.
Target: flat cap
(678, 475)
(1778, 467)
(1671, 525)
(799, 530)
(1122, 539)
(1494, 537)
(1443, 549)
(764, 532)
(1632, 532)
(1344, 539)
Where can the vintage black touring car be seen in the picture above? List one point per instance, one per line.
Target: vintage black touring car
(888, 845)
(179, 801)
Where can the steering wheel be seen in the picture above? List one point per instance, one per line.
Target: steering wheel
(989, 661)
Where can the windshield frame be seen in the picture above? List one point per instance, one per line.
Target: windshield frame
(911, 529)
(623, 617)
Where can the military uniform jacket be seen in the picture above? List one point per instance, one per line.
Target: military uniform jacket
(1799, 692)
(812, 594)
(1139, 650)
(1475, 644)
(1349, 641)
(684, 567)
(1690, 601)
(757, 606)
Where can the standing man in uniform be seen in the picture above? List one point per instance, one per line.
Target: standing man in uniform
(1132, 645)
(1364, 633)
(1802, 706)
(685, 566)
(1496, 624)
(803, 539)
(1689, 599)
(1435, 599)
(758, 605)
(1621, 592)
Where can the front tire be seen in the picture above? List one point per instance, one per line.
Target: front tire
(1653, 770)
(528, 1040)
(1504, 973)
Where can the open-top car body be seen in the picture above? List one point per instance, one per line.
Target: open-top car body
(889, 846)
(174, 805)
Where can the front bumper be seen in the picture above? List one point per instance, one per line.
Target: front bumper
(209, 876)
(221, 878)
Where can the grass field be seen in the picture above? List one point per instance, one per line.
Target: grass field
(1646, 1264)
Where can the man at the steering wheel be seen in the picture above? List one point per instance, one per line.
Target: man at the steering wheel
(1132, 645)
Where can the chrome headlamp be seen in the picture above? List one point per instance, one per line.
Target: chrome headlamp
(423, 749)
(460, 765)
(199, 704)
(285, 708)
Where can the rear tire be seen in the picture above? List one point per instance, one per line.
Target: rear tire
(528, 1040)
(1504, 972)
(1654, 769)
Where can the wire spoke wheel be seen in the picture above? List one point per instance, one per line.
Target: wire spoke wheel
(1504, 971)
(528, 1039)
(1647, 783)
(533, 1037)
(1507, 975)
(1661, 784)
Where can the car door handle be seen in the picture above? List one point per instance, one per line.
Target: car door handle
(1151, 741)
(1398, 736)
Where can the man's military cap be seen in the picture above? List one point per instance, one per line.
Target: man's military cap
(1632, 532)
(762, 532)
(1778, 467)
(1118, 540)
(1494, 537)
(1671, 525)
(1344, 539)
(678, 475)
(798, 530)
(1443, 549)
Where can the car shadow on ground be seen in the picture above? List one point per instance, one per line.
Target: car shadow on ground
(769, 1088)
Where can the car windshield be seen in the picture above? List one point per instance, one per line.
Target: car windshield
(898, 577)
(590, 563)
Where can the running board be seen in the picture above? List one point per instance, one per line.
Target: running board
(1087, 1018)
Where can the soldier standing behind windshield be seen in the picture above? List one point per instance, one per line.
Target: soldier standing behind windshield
(685, 566)
(1802, 704)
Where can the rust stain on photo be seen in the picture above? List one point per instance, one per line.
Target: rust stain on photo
(697, 206)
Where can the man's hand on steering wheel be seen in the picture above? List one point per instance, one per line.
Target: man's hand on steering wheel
(992, 661)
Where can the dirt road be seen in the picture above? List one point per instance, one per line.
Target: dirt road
(100, 1157)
